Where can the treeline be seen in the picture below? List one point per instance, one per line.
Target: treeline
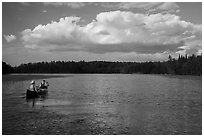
(184, 65)
(6, 68)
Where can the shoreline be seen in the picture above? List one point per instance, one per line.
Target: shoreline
(63, 74)
(21, 77)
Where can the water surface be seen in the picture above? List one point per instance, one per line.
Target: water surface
(112, 103)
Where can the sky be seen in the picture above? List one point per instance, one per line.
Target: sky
(117, 31)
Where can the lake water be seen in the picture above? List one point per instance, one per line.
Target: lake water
(112, 103)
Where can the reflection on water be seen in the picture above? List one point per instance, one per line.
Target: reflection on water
(32, 101)
(122, 104)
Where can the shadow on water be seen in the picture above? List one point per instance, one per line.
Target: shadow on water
(32, 101)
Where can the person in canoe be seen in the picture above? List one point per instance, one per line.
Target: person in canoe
(44, 84)
(32, 86)
(31, 91)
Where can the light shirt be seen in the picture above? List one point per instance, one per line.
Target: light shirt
(32, 87)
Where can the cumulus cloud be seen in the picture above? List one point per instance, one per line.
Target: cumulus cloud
(10, 38)
(117, 31)
(73, 5)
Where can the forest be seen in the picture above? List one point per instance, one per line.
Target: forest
(183, 65)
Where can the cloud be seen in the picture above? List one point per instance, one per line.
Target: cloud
(73, 5)
(25, 3)
(149, 7)
(167, 7)
(10, 38)
(130, 5)
(44, 11)
(116, 31)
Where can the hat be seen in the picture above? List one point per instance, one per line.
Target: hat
(32, 82)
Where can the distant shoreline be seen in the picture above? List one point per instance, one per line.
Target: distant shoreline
(50, 75)
(61, 74)
(23, 77)
(184, 65)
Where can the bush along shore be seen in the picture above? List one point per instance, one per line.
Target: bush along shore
(183, 65)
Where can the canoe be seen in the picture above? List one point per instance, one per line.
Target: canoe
(31, 94)
(42, 91)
